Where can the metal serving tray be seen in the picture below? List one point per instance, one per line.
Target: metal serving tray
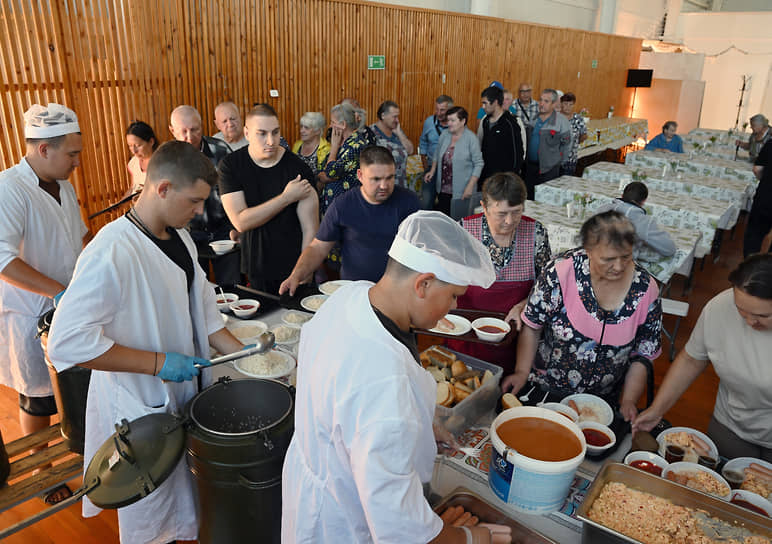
(471, 502)
(595, 533)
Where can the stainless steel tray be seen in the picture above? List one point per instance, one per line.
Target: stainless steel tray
(596, 533)
(471, 502)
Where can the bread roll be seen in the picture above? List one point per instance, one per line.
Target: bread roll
(444, 394)
(508, 400)
(445, 351)
(461, 394)
(458, 368)
(487, 376)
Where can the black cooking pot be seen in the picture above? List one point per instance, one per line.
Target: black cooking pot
(238, 435)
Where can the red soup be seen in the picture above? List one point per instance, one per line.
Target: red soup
(245, 307)
(491, 329)
(595, 437)
(648, 466)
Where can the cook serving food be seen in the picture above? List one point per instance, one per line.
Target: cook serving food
(734, 334)
(593, 320)
(363, 441)
(140, 313)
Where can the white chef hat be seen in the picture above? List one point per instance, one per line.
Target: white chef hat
(49, 121)
(432, 242)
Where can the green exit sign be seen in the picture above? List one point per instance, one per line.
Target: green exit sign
(594, 63)
(376, 62)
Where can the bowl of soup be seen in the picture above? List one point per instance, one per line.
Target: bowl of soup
(751, 501)
(646, 461)
(535, 454)
(246, 307)
(599, 437)
(490, 329)
(224, 301)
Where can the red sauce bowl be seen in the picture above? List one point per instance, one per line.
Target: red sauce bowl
(599, 438)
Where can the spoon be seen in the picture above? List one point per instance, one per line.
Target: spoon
(264, 342)
(543, 400)
(524, 398)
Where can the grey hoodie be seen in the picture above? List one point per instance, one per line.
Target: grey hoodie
(646, 228)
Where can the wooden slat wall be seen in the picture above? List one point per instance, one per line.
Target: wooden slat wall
(114, 61)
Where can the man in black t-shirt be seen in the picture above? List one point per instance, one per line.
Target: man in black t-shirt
(760, 218)
(267, 196)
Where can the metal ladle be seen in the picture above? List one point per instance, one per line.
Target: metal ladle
(264, 343)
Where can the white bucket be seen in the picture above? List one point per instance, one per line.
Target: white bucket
(529, 485)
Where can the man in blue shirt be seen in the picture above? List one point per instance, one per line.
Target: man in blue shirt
(364, 221)
(668, 140)
(434, 125)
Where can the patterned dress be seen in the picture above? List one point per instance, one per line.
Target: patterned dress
(578, 127)
(398, 151)
(583, 347)
(343, 170)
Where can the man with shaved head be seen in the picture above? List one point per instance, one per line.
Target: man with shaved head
(228, 121)
(213, 224)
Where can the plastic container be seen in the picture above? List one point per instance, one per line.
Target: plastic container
(460, 417)
(595, 450)
(525, 484)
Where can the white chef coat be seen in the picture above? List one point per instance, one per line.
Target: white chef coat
(48, 237)
(363, 441)
(125, 290)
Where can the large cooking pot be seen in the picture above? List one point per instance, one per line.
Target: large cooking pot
(237, 438)
(70, 391)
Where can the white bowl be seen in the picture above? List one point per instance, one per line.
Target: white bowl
(300, 318)
(492, 322)
(691, 456)
(756, 500)
(289, 366)
(563, 409)
(245, 312)
(652, 458)
(683, 466)
(230, 298)
(600, 407)
(594, 450)
(222, 246)
(247, 332)
(295, 338)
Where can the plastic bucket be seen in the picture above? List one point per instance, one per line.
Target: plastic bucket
(529, 485)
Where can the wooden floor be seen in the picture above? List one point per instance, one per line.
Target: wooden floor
(693, 410)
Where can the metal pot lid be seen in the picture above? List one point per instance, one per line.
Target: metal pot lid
(135, 460)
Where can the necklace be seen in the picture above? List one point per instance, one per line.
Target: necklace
(133, 216)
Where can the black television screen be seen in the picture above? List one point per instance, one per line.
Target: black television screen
(639, 78)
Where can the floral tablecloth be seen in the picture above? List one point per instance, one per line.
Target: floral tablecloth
(602, 132)
(703, 214)
(735, 191)
(564, 234)
(696, 165)
(720, 136)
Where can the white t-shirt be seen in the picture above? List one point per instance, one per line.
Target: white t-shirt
(235, 145)
(136, 174)
(741, 357)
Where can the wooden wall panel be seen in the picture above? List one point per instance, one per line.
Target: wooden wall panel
(115, 61)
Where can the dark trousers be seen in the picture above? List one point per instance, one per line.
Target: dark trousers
(533, 177)
(428, 195)
(755, 231)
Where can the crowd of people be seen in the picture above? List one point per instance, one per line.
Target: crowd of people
(134, 306)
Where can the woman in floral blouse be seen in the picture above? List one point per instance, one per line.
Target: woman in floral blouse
(593, 320)
(340, 172)
(519, 249)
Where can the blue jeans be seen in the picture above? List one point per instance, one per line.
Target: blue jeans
(428, 195)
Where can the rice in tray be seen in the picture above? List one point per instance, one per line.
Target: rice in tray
(654, 520)
(264, 364)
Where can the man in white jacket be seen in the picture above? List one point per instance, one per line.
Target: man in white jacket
(140, 313)
(363, 442)
(41, 236)
(646, 228)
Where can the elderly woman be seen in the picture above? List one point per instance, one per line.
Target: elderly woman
(141, 141)
(456, 166)
(519, 249)
(390, 135)
(340, 172)
(668, 140)
(593, 320)
(311, 147)
(734, 334)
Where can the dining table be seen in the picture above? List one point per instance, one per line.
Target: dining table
(611, 133)
(563, 233)
(695, 213)
(735, 191)
(690, 163)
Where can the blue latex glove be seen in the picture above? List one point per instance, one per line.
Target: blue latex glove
(179, 368)
(58, 297)
(248, 346)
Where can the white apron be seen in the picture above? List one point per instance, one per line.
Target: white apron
(363, 441)
(48, 237)
(126, 291)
